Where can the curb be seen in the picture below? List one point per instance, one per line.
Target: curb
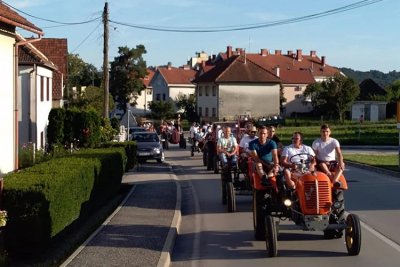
(165, 258)
(81, 247)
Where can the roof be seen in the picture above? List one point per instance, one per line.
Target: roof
(237, 69)
(174, 75)
(56, 49)
(368, 88)
(296, 76)
(146, 80)
(290, 62)
(9, 16)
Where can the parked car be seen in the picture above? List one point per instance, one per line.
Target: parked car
(148, 146)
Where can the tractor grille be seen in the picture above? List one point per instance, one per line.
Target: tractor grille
(317, 195)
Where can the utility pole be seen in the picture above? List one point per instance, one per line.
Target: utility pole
(105, 61)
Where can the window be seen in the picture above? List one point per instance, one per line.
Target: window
(163, 97)
(148, 91)
(214, 112)
(207, 112)
(214, 90)
(200, 112)
(41, 88)
(48, 88)
(297, 89)
(200, 90)
(158, 97)
(207, 89)
(41, 139)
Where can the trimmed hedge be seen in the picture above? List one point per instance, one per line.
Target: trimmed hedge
(43, 200)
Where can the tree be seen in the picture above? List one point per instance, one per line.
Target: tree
(188, 104)
(334, 96)
(90, 98)
(81, 74)
(393, 92)
(162, 109)
(126, 74)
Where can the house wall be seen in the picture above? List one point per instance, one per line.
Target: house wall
(7, 135)
(43, 107)
(209, 101)
(142, 102)
(175, 90)
(160, 87)
(295, 100)
(26, 105)
(258, 100)
(370, 110)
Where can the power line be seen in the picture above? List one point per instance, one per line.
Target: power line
(356, 5)
(87, 37)
(53, 21)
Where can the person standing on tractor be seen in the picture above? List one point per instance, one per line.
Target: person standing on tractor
(265, 155)
(272, 135)
(296, 148)
(227, 149)
(326, 149)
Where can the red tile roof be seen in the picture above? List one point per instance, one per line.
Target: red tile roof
(290, 62)
(57, 52)
(174, 75)
(146, 80)
(237, 69)
(296, 76)
(9, 16)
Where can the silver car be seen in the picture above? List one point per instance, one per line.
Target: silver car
(148, 146)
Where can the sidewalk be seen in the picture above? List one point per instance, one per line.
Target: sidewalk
(142, 230)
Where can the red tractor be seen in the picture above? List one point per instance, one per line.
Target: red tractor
(316, 205)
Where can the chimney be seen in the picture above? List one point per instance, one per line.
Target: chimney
(299, 55)
(278, 71)
(313, 53)
(186, 67)
(290, 53)
(323, 61)
(239, 51)
(169, 65)
(278, 52)
(203, 64)
(229, 51)
(264, 52)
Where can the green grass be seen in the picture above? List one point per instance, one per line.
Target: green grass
(390, 162)
(347, 134)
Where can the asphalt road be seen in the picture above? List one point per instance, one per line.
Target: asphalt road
(209, 236)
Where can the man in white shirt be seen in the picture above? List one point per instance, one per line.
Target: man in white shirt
(297, 147)
(326, 149)
(227, 148)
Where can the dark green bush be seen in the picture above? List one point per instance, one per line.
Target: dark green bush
(45, 199)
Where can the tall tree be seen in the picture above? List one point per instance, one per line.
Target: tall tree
(126, 74)
(334, 96)
(188, 104)
(162, 110)
(81, 74)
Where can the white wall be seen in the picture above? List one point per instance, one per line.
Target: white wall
(43, 107)
(6, 103)
(255, 99)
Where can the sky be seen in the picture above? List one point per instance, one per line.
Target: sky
(364, 38)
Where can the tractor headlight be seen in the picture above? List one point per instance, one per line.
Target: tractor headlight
(337, 204)
(287, 202)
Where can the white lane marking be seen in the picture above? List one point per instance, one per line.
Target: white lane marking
(381, 237)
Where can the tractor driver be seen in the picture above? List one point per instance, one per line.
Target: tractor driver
(227, 149)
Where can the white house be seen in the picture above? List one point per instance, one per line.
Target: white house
(35, 80)
(9, 20)
(168, 82)
(143, 99)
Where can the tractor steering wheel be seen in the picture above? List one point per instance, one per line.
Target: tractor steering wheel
(299, 157)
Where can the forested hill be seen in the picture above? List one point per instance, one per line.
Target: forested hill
(383, 79)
